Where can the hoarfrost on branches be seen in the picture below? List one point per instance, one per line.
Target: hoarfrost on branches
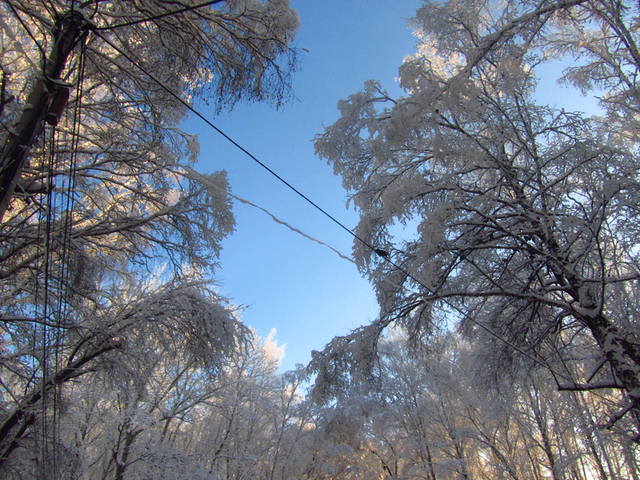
(524, 213)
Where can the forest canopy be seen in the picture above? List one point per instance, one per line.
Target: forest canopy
(499, 233)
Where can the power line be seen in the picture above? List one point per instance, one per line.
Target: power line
(383, 255)
(236, 144)
(160, 15)
(279, 221)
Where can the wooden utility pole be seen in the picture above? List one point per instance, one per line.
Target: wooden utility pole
(70, 28)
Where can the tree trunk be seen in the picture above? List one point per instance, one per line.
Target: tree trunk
(624, 358)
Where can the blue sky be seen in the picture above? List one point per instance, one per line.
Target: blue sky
(303, 289)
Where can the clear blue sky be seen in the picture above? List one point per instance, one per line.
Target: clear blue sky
(301, 288)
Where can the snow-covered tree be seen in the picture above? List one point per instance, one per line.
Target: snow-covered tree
(251, 424)
(96, 189)
(117, 153)
(426, 414)
(515, 219)
(167, 415)
(139, 346)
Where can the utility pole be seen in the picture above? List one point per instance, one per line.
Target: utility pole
(70, 28)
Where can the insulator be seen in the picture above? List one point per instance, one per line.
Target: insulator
(60, 99)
